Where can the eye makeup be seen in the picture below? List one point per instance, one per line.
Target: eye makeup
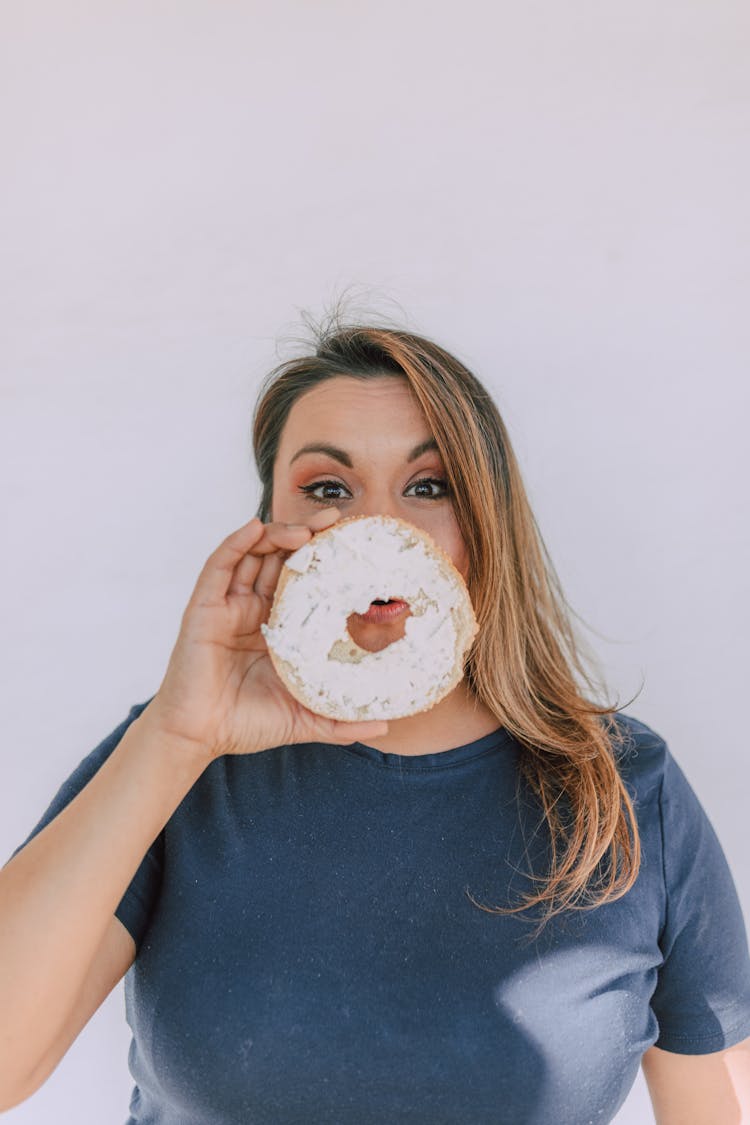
(310, 489)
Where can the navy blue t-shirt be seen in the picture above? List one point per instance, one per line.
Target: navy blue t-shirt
(309, 954)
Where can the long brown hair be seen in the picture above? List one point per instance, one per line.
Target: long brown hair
(527, 654)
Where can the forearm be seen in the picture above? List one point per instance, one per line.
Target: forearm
(711, 1089)
(58, 895)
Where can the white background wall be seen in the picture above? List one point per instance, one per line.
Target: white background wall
(556, 192)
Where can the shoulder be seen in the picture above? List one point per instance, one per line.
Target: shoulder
(658, 784)
(642, 755)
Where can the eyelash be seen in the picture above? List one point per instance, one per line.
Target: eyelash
(309, 489)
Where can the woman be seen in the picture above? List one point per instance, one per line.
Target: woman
(489, 912)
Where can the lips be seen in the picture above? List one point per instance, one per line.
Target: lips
(381, 611)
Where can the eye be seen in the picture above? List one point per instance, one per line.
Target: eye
(430, 488)
(331, 489)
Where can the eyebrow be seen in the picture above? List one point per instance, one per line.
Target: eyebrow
(343, 457)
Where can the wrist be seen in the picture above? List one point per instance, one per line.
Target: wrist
(193, 753)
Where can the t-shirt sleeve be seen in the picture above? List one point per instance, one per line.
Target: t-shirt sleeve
(136, 905)
(702, 997)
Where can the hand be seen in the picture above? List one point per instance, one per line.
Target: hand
(220, 694)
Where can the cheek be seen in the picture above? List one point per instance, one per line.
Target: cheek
(461, 559)
(284, 510)
(450, 539)
(285, 505)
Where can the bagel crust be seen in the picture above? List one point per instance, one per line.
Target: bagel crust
(340, 572)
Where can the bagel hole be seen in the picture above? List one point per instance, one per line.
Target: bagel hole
(374, 637)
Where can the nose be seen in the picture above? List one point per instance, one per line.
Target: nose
(375, 504)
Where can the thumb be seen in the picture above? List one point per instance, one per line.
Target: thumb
(342, 733)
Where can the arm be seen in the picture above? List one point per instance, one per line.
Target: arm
(61, 949)
(709, 1089)
(113, 959)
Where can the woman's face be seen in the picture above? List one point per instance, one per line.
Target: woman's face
(364, 447)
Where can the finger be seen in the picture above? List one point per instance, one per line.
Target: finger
(343, 733)
(278, 539)
(282, 536)
(216, 575)
(243, 548)
(248, 578)
(324, 518)
(268, 576)
(257, 575)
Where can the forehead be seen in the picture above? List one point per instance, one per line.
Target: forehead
(345, 405)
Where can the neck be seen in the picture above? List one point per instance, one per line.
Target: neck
(457, 719)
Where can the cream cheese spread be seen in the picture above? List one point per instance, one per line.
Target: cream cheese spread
(341, 572)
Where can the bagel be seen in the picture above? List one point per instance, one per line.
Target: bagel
(343, 570)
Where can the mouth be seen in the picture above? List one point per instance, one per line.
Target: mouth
(381, 610)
